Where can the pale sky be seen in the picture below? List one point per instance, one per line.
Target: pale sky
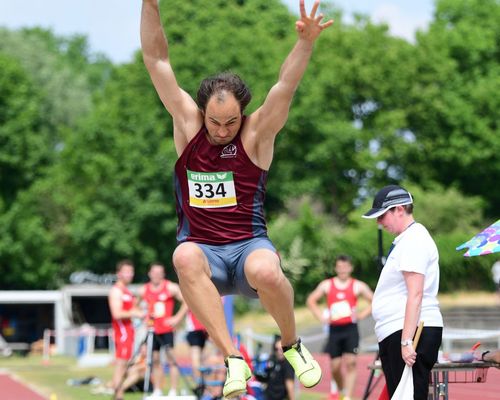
(112, 26)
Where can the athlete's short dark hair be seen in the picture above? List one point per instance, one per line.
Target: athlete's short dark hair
(156, 264)
(343, 257)
(225, 81)
(122, 263)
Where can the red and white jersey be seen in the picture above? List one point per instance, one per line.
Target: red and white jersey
(342, 303)
(123, 328)
(160, 304)
(192, 323)
(127, 303)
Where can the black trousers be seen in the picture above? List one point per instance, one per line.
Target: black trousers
(393, 365)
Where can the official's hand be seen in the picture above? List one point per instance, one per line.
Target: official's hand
(409, 355)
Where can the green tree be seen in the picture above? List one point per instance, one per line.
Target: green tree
(28, 253)
(63, 70)
(24, 149)
(114, 179)
(86, 155)
(44, 89)
(351, 97)
(454, 103)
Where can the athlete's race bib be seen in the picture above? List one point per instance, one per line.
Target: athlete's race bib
(211, 189)
(339, 310)
(159, 309)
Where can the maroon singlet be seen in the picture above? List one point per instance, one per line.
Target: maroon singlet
(219, 209)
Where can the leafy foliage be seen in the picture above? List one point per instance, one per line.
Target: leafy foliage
(455, 110)
(24, 148)
(86, 151)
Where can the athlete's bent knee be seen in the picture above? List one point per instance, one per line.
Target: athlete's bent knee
(188, 259)
(266, 275)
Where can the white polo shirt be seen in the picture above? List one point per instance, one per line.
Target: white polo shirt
(414, 251)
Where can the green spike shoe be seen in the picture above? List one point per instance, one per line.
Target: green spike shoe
(305, 366)
(237, 375)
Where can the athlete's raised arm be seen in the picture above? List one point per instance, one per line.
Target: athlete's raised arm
(272, 115)
(183, 109)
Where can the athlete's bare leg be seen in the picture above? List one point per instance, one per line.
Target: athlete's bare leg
(196, 353)
(263, 272)
(174, 374)
(336, 366)
(134, 374)
(118, 377)
(201, 295)
(157, 372)
(350, 373)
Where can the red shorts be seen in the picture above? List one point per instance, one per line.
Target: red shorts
(124, 340)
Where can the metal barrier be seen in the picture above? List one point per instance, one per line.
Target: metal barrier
(451, 335)
(78, 341)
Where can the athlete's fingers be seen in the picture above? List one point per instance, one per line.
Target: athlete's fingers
(314, 9)
(326, 24)
(302, 8)
(318, 18)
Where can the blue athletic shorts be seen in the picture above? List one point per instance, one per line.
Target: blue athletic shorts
(227, 263)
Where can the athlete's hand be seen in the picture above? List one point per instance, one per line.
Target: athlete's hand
(309, 26)
(138, 313)
(172, 321)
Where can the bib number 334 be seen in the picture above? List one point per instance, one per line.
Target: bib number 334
(211, 189)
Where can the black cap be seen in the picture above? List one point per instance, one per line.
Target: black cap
(387, 198)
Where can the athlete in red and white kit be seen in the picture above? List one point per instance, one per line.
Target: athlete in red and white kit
(160, 296)
(123, 307)
(197, 336)
(342, 293)
(220, 178)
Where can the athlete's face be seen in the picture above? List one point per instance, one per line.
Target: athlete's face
(222, 118)
(156, 274)
(126, 274)
(343, 269)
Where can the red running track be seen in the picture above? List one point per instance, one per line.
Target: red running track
(12, 389)
(488, 390)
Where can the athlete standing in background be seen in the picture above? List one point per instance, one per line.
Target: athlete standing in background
(123, 307)
(160, 295)
(342, 293)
